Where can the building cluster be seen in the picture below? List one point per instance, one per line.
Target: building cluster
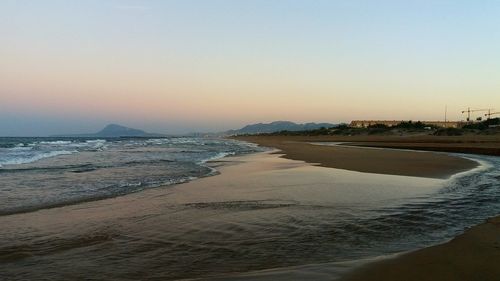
(391, 123)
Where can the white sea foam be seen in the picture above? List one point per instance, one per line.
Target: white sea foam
(97, 144)
(17, 159)
(21, 148)
(59, 142)
(155, 162)
(217, 156)
(24, 153)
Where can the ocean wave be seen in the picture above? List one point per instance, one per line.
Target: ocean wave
(91, 144)
(180, 141)
(103, 169)
(80, 168)
(24, 159)
(110, 191)
(29, 152)
(59, 142)
(20, 148)
(217, 156)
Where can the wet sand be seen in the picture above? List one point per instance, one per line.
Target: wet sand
(392, 162)
(471, 256)
(261, 212)
(474, 255)
(475, 144)
(490, 148)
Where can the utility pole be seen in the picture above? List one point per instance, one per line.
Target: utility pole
(445, 113)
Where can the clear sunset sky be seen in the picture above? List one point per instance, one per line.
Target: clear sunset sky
(209, 65)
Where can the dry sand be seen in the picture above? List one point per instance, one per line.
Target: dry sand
(393, 162)
(476, 144)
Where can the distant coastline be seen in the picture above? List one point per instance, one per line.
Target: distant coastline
(113, 131)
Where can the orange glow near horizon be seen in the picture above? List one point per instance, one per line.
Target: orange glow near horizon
(173, 63)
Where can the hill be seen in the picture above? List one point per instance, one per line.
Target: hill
(115, 131)
(277, 126)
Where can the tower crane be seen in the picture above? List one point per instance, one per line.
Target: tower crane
(469, 111)
(491, 113)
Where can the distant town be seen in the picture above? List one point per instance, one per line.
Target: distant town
(440, 124)
(392, 123)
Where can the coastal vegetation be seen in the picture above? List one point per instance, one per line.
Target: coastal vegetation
(487, 127)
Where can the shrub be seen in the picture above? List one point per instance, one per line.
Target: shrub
(448, 132)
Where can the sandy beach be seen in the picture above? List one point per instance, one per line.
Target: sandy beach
(473, 255)
(261, 212)
(250, 140)
(475, 144)
(264, 217)
(393, 162)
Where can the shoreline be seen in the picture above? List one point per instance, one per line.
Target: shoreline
(469, 144)
(454, 148)
(228, 190)
(481, 165)
(472, 255)
(360, 159)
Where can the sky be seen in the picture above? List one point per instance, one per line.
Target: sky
(211, 65)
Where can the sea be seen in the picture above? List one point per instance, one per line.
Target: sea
(117, 209)
(39, 173)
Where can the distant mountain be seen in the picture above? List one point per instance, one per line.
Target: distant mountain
(277, 126)
(114, 131)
